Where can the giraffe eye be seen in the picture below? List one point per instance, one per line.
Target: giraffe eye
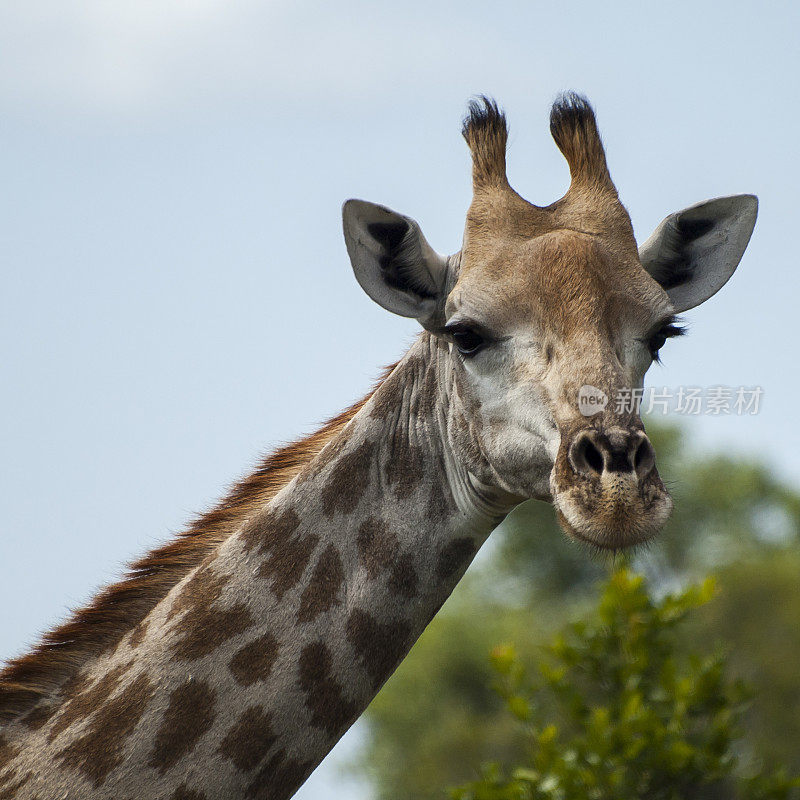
(655, 344)
(467, 341)
(659, 338)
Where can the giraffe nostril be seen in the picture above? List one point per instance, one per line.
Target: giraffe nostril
(616, 451)
(644, 460)
(593, 457)
(585, 456)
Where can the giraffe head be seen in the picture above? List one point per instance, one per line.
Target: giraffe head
(548, 314)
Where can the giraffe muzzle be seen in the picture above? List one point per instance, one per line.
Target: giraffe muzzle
(606, 488)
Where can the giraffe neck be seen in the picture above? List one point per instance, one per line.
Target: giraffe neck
(249, 671)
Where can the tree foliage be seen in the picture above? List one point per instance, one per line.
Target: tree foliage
(618, 709)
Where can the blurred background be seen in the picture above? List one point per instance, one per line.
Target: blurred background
(176, 299)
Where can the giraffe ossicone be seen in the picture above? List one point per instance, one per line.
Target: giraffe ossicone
(230, 661)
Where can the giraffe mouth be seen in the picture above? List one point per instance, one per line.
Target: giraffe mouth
(612, 512)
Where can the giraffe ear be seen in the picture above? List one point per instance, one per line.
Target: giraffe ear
(693, 252)
(392, 261)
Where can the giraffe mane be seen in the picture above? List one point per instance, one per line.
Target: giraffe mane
(37, 675)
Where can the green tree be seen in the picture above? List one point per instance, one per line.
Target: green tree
(619, 709)
(756, 613)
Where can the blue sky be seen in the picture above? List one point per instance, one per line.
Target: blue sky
(176, 293)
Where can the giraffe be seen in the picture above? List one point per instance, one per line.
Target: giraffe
(229, 661)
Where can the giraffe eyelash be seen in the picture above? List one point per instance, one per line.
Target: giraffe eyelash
(669, 329)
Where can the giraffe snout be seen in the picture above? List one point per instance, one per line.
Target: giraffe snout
(606, 487)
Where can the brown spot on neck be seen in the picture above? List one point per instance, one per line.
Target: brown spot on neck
(378, 646)
(440, 500)
(287, 551)
(377, 545)
(330, 709)
(98, 751)
(7, 751)
(253, 662)
(403, 579)
(454, 557)
(427, 390)
(85, 700)
(325, 587)
(206, 628)
(270, 529)
(202, 589)
(388, 399)
(279, 778)
(188, 717)
(327, 456)
(249, 740)
(183, 792)
(348, 480)
(405, 467)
